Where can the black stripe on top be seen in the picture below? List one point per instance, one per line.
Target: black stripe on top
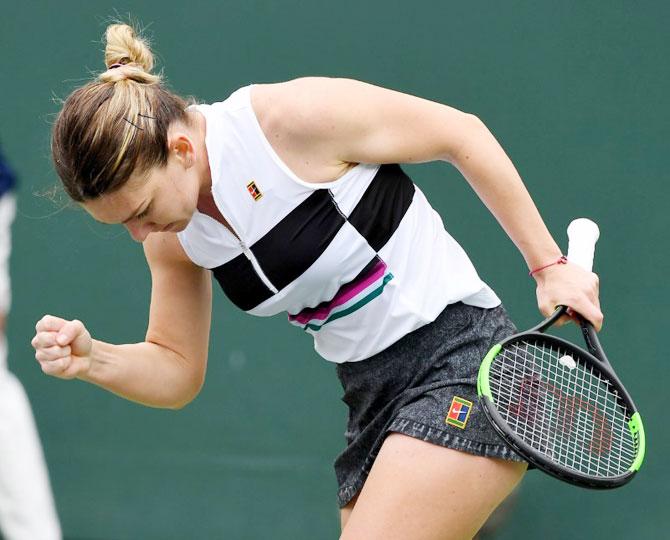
(299, 239)
(383, 205)
(284, 253)
(241, 283)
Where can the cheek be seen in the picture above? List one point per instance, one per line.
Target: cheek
(183, 197)
(188, 190)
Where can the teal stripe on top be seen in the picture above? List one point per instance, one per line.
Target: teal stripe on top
(355, 307)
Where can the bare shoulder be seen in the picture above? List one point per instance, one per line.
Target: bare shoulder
(306, 121)
(287, 90)
(165, 249)
(299, 99)
(310, 115)
(333, 110)
(349, 121)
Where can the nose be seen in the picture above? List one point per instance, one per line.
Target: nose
(139, 231)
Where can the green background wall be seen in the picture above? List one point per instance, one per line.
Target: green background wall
(575, 91)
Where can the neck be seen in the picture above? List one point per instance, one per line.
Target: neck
(202, 160)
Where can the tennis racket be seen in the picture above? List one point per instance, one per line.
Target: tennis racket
(559, 406)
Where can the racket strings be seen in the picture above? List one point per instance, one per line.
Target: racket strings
(570, 414)
(546, 422)
(559, 418)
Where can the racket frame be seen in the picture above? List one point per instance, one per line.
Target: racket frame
(601, 365)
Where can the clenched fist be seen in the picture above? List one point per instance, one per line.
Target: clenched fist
(63, 348)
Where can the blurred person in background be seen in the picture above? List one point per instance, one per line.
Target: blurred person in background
(27, 510)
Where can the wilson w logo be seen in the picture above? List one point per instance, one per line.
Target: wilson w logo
(545, 408)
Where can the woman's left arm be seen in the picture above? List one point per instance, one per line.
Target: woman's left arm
(350, 121)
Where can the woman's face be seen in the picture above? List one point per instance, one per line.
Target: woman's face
(162, 200)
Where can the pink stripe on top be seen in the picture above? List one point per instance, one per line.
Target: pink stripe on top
(346, 293)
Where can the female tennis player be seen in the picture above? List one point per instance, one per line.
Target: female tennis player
(290, 195)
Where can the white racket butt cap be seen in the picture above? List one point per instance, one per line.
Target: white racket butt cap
(582, 235)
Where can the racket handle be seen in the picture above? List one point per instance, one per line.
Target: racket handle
(582, 237)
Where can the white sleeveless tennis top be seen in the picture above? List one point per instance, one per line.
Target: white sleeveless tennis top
(358, 262)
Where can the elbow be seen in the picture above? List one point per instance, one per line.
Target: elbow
(184, 399)
(179, 405)
(474, 121)
(471, 129)
(189, 392)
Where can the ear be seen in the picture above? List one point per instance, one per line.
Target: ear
(182, 149)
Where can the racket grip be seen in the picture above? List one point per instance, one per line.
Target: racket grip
(582, 237)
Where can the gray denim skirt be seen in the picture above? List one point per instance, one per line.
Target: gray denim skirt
(424, 386)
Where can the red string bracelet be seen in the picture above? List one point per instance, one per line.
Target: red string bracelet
(562, 260)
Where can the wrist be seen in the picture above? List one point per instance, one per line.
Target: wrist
(92, 366)
(550, 275)
(562, 259)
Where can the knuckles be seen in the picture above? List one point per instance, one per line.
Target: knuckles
(43, 322)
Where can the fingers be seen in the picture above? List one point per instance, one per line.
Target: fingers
(69, 332)
(51, 354)
(569, 317)
(569, 285)
(565, 319)
(594, 316)
(58, 361)
(49, 323)
(587, 304)
(61, 346)
(66, 367)
(53, 359)
(585, 308)
(56, 367)
(44, 339)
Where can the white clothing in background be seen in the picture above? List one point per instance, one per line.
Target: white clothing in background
(27, 510)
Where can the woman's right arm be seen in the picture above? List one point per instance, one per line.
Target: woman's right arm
(166, 370)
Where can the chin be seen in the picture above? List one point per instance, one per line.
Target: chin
(179, 226)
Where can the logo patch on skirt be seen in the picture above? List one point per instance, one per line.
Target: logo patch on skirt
(459, 412)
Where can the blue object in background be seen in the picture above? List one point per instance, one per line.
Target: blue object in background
(7, 176)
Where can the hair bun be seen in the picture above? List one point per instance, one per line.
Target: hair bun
(124, 46)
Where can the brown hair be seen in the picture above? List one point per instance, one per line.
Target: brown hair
(117, 124)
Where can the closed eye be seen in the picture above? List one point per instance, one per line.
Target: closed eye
(144, 213)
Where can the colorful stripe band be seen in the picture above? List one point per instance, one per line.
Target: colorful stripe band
(358, 305)
(351, 297)
(346, 293)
